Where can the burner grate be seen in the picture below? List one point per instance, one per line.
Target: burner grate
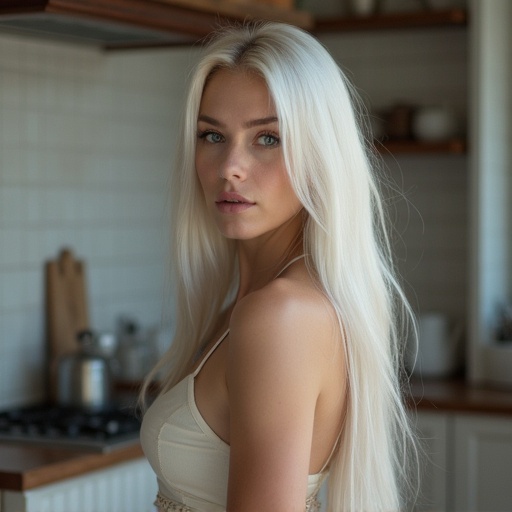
(70, 427)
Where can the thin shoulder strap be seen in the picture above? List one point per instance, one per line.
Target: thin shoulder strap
(210, 352)
(291, 262)
(333, 449)
(221, 339)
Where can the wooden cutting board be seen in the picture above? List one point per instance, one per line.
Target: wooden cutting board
(66, 307)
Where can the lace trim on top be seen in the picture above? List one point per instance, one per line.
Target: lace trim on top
(312, 503)
(164, 504)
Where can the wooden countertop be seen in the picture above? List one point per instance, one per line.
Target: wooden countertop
(24, 467)
(456, 395)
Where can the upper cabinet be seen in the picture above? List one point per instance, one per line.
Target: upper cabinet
(138, 23)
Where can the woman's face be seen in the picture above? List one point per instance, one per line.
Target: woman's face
(239, 159)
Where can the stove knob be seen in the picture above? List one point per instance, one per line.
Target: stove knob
(15, 429)
(95, 422)
(73, 430)
(112, 427)
(52, 431)
(32, 429)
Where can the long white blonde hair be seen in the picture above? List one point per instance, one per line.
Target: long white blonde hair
(331, 170)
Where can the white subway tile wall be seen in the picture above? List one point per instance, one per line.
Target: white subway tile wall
(431, 230)
(86, 146)
(430, 204)
(86, 143)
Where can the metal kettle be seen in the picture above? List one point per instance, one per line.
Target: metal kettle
(85, 377)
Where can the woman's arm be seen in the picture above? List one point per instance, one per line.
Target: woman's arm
(277, 358)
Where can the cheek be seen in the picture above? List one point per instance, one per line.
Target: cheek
(291, 198)
(203, 171)
(295, 204)
(285, 190)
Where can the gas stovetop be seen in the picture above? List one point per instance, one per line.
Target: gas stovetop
(53, 426)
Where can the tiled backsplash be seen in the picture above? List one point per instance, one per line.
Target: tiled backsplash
(431, 232)
(86, 144)
(430, 206)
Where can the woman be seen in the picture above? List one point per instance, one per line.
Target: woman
(285, 360)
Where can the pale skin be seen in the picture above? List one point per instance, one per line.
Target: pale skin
(275, 389)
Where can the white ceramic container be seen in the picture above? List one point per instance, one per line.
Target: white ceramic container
(434, 123)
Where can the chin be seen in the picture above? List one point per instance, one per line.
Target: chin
(236, 235)
(237, 232)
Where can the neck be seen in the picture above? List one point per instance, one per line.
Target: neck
(261, 260)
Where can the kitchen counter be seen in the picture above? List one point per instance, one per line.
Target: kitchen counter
(456, 395)
(24, 467)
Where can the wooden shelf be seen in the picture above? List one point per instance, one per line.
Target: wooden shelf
(394, 21)
(395, 147)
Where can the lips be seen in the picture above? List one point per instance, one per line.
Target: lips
(231, 202)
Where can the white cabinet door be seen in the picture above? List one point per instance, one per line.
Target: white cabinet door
(127, 487)
(432, 429)
(483, 464)
(433, 432)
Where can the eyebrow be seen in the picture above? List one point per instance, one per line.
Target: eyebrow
(249, 124)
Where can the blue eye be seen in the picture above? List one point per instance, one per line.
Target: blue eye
(268, 139)
(211, 137)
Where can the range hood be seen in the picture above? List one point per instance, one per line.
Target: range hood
(135, 23)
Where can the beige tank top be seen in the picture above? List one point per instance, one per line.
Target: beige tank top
(190, 461)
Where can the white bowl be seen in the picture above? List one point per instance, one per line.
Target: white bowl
(434, 123)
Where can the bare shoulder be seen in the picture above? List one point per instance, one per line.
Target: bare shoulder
(283, 386)
(289, 315)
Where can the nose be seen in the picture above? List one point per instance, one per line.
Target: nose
(234, 163)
